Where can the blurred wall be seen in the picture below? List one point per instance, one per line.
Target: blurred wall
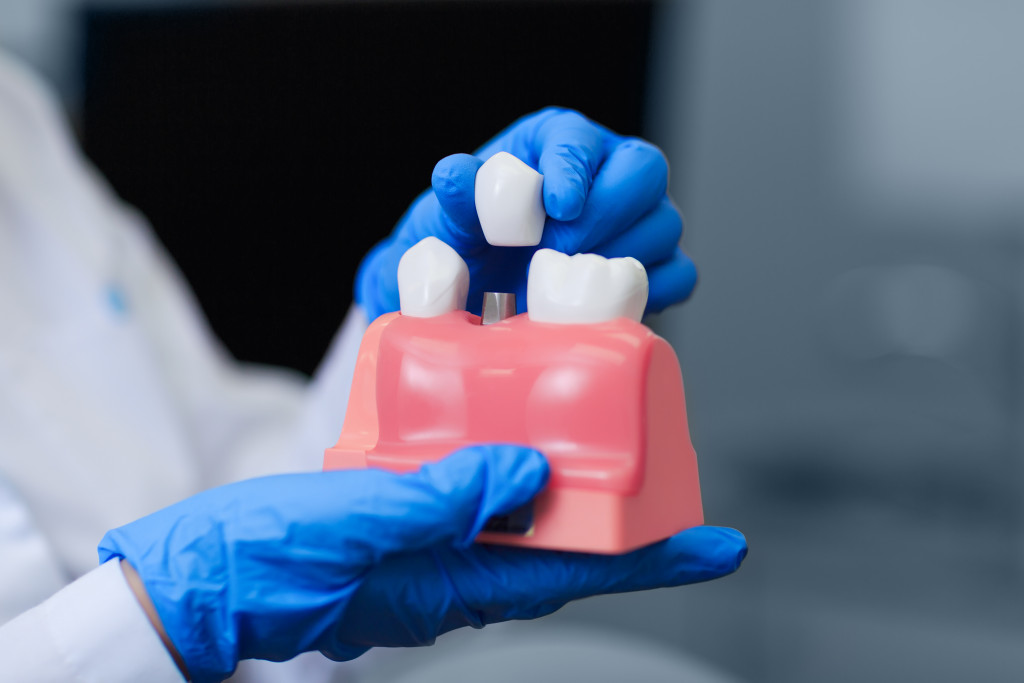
(43, 33)
(851, 174)
(47, 35)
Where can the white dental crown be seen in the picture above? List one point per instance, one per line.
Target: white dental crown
(509, 202)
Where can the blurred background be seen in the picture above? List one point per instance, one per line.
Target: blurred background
(852, 176)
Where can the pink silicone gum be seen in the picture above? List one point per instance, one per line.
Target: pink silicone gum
(604, 403)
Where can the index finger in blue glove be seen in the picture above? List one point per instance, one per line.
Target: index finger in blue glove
(632, 181)
(565, 146)
(652, 239)
(670, 282)
(572, 149)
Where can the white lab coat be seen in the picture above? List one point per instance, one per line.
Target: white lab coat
(115, 401)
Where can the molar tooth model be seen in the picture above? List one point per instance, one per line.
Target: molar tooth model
(578, 377)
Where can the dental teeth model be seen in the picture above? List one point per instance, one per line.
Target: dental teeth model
(509, 202)
(585, 288)
(597, 392)
(432, 279)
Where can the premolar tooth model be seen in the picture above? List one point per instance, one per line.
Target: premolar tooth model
(432, 279)
(578, 377)
(509, 202)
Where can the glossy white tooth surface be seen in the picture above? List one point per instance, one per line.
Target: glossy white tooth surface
(585, 288)
(432, 279)
(509, 202)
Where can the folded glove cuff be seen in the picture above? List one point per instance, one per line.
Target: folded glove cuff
(194, 616)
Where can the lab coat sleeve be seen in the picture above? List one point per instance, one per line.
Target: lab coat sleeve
(227, 420)
(217, 420)
(327, 395)
(29, 570)
(241, 420)
(92, 630)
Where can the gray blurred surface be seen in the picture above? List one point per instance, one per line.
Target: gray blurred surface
(542, 652)
(852, 179)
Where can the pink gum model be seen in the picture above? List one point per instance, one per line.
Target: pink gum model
(603, 402)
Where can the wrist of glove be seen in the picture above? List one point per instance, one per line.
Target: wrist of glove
(344, 561)
(603, 193)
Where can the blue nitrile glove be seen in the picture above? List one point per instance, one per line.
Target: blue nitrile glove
(603, 193)
(344, 561)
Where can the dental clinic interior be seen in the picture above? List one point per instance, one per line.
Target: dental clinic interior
(851, 176)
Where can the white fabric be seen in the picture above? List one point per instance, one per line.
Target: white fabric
(115, 399)
(28, 562)
(109, 637)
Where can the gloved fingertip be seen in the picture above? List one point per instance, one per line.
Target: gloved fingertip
(563, 201)
(341, 652)
(455, 175)
(688, 276)
(734, 548)
(507, 476)
(710, 552)
(671, 282)
(515, 475)
(529, 468)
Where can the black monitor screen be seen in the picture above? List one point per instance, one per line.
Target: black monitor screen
(271, 146)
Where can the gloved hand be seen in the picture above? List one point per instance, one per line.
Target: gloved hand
(603, 193)
(346, 560)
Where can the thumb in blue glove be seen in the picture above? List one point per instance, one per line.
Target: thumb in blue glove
(344, 561)
(603, 193)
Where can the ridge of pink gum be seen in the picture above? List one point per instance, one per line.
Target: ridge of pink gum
(623, 470)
